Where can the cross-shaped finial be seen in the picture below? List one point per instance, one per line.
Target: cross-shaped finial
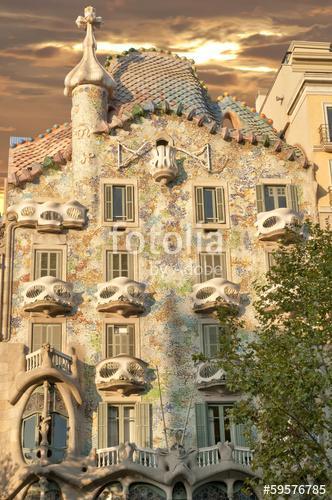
(89, 18)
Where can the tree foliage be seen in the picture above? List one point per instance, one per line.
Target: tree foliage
(285, 370)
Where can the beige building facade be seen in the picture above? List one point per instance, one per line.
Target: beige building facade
(300, 104)
(123, 231)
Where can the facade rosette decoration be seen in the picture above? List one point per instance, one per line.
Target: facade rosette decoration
(273, 224)
(122, 296)
(49, 216)
(209, 295)
(88, 70)
(48, 294)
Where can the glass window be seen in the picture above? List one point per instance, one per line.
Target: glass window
(211, 342)
(121, 424)
(46, 333)
(119, 203)
(119, 264)
(219, 423)
(48, 263)
(328, 111)
(212, 265)
(275, 197)
(210, 205)
(120, 339)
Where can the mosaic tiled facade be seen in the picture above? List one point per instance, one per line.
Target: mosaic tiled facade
(148, 124)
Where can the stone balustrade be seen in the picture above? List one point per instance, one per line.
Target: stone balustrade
(122, 296)
(58, 359)
(276, 223)
(123, 374)
(51, 217)
(48, 294)
(209, 295)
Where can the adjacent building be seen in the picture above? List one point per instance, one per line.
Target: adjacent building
(124, 230)
(300, 105)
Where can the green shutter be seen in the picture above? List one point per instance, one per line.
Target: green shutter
(201, 425)
(102, 425)
(292, 198)
(239, 437)
(108, 202)
(260, 198)
(143, 425)
(130, 203)
(199, 205)
(220, 198)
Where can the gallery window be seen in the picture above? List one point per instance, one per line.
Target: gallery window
(210, 205)
(118, 423)
(55, 429)
(272, 196)
(48, 263)
(120, 339)
(46, 333)
(119, 203)
(119, 264)
(212, 265)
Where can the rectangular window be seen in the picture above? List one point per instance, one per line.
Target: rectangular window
(48, 263)
(273, 196)
(210, 205)
(120, 339)
(270, 260)
(46, 333)
(212, 265)
(219, 424)
(121, 424)
(119, 203)
(119, 264)
(211, 342)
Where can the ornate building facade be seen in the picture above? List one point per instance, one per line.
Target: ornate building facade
(124, 230)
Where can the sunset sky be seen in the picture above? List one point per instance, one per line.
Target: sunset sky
(237, 47)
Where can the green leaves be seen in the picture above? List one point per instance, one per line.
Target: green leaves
(285, 371)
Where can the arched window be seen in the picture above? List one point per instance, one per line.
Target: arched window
(144, 491)
(44, 425)
(211, 491)
(50, 490)
(179, 492)
(243, 492)
(112, 491)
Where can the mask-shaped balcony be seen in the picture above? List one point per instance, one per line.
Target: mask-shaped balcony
(49, 217)
(163, 162)
(210, 374)
(123, 374)
(216, 292)
(121, 296)
(48, 294)
(276, 223)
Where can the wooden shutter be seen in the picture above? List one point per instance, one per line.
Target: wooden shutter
(202, 431)
(131, 270)
(108, 202)
(292, 198)
(220, 204)
(102, 425)
(223, 265)
(200, 218)
(54, 336)
(109, 341)
(143, 425)
(36, 341)
(129, 203)
(260, 198)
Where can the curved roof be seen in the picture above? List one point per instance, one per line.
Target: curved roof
(148, 77)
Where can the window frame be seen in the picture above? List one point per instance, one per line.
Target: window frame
(124, 181)
(122, 322)
(49, 248)
(202, 336)
(224, 260)
(132, 260)
(47, 325)
(213, 184)
(277, 181)
(37, 320)
(327, 105)
(113, 325)
(121, 420)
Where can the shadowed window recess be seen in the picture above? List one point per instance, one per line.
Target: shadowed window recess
(210, 205)
(273, 196)
(119, 203)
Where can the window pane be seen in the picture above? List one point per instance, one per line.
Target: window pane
(46, 334)
(30, 432)
(269, 198)
(120, 340)
(59, 431)
(211, 342)
(329, 121)
(214, 424)
(48, 263)
(118, 203)
(209, 204)
(275, 197)
(227, 423)
(117, 265)
(113, 426)
(129, 423)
